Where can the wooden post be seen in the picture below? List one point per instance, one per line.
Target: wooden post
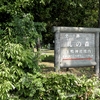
(97, 54)
(99, 16)
(57, 51)
(99, 32)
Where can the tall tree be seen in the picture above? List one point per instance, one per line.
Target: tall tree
(65, 13)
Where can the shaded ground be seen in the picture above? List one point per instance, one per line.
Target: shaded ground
(49, 66)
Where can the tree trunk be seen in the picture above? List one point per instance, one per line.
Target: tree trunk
(38, 44)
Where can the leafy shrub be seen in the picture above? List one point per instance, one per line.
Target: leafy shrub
(57, 87)
(15, 61)
(16, 54)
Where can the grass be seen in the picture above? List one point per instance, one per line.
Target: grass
(49, 56)
(48, 52)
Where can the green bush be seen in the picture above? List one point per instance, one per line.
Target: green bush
(14, 63)
(57, 87)
(17, 57)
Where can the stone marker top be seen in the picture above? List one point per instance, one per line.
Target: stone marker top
(75, 29)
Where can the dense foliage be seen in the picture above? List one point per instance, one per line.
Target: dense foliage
(21, 25)
(53, 13)
(18, 36)
(51, 86)
(76, 13)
